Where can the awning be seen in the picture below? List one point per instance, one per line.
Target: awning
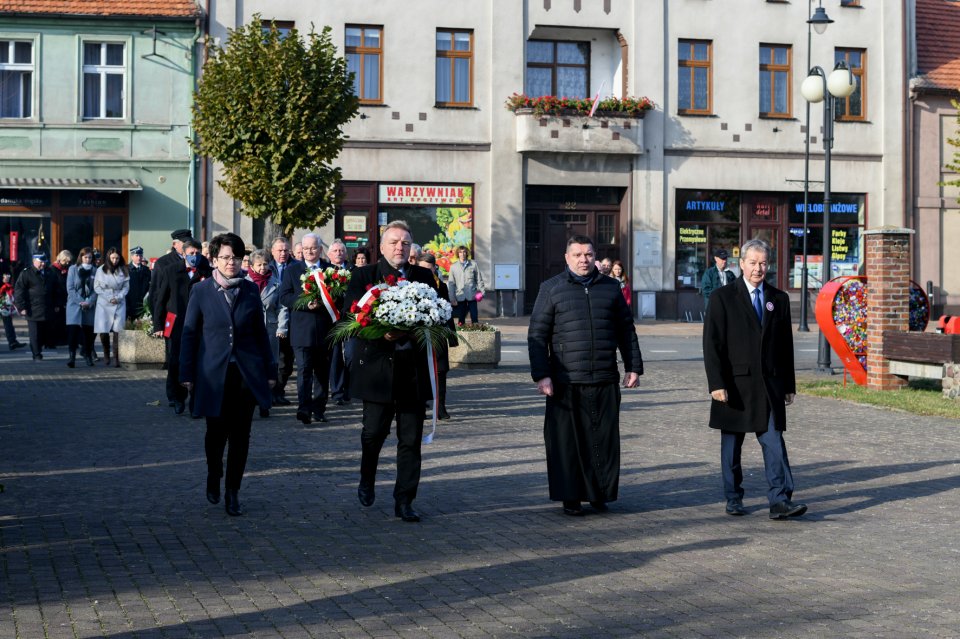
(89, 184)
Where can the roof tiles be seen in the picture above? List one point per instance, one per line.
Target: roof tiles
(938, 43)
(146, 8)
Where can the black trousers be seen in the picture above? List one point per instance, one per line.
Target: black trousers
(461, 309)
(233, 426)
(339, 375)
(9, 330)
(376, 426)
(313, 377)
(285, 366)
(81, 336)
(37, 330)
(174, 390)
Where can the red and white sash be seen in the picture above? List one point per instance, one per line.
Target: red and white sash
(326, 297)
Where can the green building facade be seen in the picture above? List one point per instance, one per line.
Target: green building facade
(94, 128)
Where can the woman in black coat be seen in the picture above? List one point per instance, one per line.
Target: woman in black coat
(225, 357)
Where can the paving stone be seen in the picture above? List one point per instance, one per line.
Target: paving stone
(105, 531)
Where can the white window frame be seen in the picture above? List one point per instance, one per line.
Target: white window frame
(10, 39)
(103, 70)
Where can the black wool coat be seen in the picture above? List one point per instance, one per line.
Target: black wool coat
(382, 371)
(37, 295)
(170, 289)
(753, 364)
(576, 330)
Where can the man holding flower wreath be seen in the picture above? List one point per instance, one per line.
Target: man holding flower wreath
(390, 375)
(309, 325)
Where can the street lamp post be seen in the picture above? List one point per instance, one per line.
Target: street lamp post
(817, 21)
(818, 87)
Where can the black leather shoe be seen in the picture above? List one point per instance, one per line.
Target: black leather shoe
(572, 508)
(280, 400)
(213, 489)
(37, 357)
(304, 417)
(599, 506)
(179, 407)
(319, 417)
(232, 503)
(735, 508)
(89, 360)
(72, 362)
(442, 413)
(16, 345)
(340, 402)
(366, 494)
(406, 512)
(787, 508)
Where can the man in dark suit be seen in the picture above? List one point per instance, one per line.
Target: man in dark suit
(280, 252)
(171, 284)
(36, 294)
(308, 333)
(390, 376)
(748, 356)
(716, 276)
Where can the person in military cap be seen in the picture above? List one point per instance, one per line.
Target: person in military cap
(139, 283)
(716, 276)
(36, 294)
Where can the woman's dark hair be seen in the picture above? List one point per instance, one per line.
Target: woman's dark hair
(360, 251)
(110, 268)
(86, 250)
(227, 239)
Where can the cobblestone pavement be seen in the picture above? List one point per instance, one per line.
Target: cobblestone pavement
(105, 531)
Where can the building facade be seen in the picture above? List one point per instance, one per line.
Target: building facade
(94, 125)
(719, 160)
(935, 211)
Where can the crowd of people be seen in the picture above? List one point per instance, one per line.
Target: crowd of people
(234, 322)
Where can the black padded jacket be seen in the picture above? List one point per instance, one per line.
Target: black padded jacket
(576, 330)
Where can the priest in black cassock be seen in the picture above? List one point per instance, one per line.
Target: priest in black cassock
(579, 322)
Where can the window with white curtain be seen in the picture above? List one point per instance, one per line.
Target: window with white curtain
(364, 53)
(104, 73)
(558, 68)
(775, 93)
(454, 67)
(16, 79)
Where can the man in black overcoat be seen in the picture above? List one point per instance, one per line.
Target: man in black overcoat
(579, 322)
(390, 375)
(748, 356)
(140, 275)
(170, 291)
(36, 295)
(308, 334)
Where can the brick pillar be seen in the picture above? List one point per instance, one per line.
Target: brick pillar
(888, 298)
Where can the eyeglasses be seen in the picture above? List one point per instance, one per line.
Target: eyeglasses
(230, 258)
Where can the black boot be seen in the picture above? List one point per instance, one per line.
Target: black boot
(73, 359)
(88, 358)
(213, 489)
(116, 350)
(442, 397)
(105, 341)
(232, 503)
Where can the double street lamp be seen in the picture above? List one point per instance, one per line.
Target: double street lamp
(819, 87)
(818, 21)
